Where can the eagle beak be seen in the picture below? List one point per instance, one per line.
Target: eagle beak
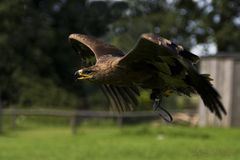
(80, 75)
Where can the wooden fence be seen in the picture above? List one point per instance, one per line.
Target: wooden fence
(188, 116)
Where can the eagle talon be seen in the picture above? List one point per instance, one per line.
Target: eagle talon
(165, 115)
(162, 111)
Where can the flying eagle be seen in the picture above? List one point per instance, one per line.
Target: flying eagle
(154, 63)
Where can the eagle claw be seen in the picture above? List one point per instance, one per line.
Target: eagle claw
(162, 111)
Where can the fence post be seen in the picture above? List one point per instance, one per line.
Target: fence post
(120, 120)
(1, 114)
(14, 118)
(74, 120)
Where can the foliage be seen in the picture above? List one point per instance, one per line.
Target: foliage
(185, 22)
(37, 62)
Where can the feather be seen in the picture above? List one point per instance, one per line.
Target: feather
(121, 99)
(92, 49)
(202, 85)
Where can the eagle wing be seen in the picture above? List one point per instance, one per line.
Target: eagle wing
(175, 65)
(150, 47)
(92, 49)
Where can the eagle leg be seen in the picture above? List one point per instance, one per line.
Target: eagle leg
(157, 107)
(157, 103)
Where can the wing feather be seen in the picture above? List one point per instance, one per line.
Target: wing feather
(150, 47)
(121, 99)
(117, 105)
(92, 49)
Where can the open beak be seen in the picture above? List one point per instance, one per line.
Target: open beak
(80, 75)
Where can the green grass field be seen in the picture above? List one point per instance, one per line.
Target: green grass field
(109, 142)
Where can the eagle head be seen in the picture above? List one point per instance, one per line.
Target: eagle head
(86, 73)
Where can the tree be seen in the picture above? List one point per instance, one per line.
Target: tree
(37, 62)
(185, 22)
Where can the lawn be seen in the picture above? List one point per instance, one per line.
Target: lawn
(109, 142)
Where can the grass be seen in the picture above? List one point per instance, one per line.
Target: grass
(108, 142)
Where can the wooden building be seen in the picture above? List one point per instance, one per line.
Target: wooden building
(225, 70)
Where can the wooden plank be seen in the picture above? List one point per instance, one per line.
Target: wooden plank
(225, 88)
(235, 120)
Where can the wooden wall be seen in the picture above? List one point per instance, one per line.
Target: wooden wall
(225, 70)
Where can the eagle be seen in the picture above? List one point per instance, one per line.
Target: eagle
(154, 63)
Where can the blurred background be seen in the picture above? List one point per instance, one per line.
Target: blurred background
(42, 105)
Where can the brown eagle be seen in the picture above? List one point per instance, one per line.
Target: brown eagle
(154, 63)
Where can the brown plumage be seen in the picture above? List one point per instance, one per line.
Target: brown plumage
(154, 63)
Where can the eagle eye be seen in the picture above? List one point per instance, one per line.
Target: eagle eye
(88, 71)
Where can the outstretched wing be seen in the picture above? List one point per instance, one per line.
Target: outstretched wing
(92, 49)
(175, 65)
(150, 47)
